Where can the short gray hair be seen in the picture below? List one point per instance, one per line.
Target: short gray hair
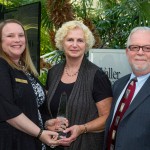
(144, 28)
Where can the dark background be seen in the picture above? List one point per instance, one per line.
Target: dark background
(30, 16)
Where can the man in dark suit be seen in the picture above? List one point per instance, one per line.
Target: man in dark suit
(132, 131)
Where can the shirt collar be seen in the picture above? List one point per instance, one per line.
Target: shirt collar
(140, 78)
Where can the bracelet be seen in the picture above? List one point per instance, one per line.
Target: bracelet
(38, 136)
(52, 146)
(85, 128)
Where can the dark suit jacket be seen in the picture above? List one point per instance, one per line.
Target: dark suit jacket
(16, 97)
(134, 128)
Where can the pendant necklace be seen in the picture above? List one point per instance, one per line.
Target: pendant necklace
(70, 75)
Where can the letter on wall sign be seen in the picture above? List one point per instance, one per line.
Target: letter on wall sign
(112, 61)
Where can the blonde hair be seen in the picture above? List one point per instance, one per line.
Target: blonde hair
(25, 57)
(66, 27)
(144, 28)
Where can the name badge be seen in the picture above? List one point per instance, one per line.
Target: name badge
(21, 80)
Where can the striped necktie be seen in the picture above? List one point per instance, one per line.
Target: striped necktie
(122, 107)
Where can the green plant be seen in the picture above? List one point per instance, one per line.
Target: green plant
(109, 20)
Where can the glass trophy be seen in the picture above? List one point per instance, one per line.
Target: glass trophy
(62, 111)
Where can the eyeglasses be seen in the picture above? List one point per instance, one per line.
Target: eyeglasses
(136, 48)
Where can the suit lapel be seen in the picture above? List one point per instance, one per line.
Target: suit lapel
(117, 89)
(139, 98)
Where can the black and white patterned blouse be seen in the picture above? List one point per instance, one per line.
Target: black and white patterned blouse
(40, 97)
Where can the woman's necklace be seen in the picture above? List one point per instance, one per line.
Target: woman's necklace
(22, 67)
(70, 75)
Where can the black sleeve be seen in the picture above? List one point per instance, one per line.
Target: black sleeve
(101, 87)
(44, 112)
(8, 109)
(47, 80)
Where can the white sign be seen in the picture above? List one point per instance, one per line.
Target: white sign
(113, 62)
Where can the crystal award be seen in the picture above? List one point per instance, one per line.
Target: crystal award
(62, 111)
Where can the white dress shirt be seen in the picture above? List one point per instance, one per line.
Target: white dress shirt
(140, 82)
